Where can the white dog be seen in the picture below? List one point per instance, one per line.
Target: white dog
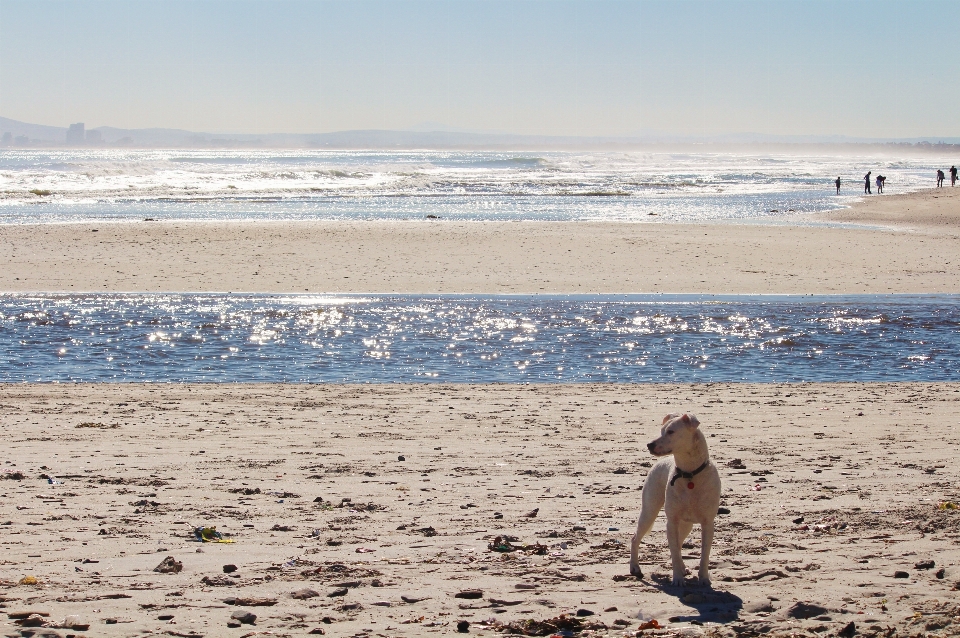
(690, 485)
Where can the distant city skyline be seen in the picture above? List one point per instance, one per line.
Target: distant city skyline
(880, 69)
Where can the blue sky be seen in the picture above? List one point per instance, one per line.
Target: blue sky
(554, 67)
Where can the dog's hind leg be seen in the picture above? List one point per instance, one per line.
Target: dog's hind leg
(648, 516)
(706, 541)
(677, 532)
(653, 495)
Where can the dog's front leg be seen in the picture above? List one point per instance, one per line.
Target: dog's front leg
(675, 536)
(706, 541)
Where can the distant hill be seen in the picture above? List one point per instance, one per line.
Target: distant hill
(38, 132)
(40, 135)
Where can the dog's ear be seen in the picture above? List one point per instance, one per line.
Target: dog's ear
(672, 415)
(691, 419)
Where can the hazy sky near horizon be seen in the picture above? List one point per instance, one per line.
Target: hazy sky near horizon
(878, 68)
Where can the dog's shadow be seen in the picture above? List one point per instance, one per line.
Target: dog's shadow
(710, 605)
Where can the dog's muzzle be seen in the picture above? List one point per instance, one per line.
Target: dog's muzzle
(652, 446)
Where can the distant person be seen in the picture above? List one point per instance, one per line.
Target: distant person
(883, 182)
(940, 178)
(953, 176)
(866, 183)
(838, 185)
(879, 183)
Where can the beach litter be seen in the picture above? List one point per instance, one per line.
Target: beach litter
(504, 544)
(210, 535)
(563, 625)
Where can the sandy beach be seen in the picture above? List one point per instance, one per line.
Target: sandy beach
(903, 244)
(371, 510)
(368, 509)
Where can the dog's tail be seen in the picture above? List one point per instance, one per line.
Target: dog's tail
(653, 496)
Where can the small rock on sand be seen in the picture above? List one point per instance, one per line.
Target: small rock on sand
(802, 610)
(304, 594)
(169, 565)
(759, 607)
(250, 601)
(243, 617)
(33, 620)
(25, 613)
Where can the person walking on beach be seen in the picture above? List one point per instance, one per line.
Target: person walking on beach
(940, 177)
(866, 183)
(838, 185)
(879, 182)
(953, 176)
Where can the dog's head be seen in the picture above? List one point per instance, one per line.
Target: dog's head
(678, 432)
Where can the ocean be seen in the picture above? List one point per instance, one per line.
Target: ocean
(458, 338)
(477, 338)
(132, 185)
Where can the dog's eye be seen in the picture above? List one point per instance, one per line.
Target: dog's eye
(669, 431)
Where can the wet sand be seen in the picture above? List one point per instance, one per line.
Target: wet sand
(934, 211)
(912, 247)
(835, 491)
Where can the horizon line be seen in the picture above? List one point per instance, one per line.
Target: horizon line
(19, 134)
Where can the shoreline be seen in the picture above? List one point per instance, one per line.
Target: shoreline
(934, 210)
(383, 500)
(427, 257)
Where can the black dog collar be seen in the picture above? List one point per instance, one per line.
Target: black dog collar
(687, 475)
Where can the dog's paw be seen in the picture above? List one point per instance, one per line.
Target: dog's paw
(635, 570)
(704, 580)
(678, 581)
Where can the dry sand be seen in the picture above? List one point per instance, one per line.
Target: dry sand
(918, 251)
(137, 467)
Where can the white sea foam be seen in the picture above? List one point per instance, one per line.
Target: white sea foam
(240, 185)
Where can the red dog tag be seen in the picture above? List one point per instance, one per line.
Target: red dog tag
(690, 485)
